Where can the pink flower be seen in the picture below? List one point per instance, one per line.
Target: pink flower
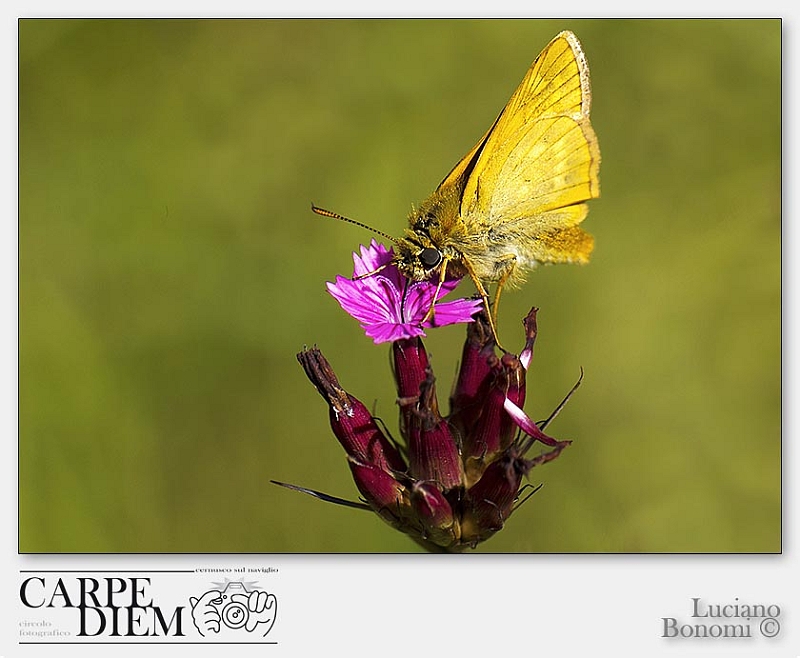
(388, 306)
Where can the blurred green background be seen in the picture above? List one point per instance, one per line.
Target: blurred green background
(170, 269)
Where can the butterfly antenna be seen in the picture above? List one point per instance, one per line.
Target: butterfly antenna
(336, 215)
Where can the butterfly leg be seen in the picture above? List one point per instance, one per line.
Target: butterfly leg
(506, 266)
(366, 274)
(485, 297)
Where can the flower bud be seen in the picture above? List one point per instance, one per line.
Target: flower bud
(474, 376)
(410, 364)
(529, 322)
(351, 421)
(495, 429)
(435, 513)
(386, 495)
(432, 450)
(490, 499)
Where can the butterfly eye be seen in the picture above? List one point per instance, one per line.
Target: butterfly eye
(430, 257)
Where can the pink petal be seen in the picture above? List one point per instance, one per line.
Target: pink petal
(385, 332)
(371, 258)
(524, 422)
(459, 310)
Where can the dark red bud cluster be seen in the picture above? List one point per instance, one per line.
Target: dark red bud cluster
(461, 474)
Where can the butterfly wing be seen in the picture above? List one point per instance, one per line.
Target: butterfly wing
(526, 180)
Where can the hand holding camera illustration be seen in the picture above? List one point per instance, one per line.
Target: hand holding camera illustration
(234, 608)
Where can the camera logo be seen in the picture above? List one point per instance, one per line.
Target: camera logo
(233, 607)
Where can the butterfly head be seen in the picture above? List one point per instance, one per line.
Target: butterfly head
(417, 257)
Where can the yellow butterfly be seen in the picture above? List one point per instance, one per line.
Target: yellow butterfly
(517, 198)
